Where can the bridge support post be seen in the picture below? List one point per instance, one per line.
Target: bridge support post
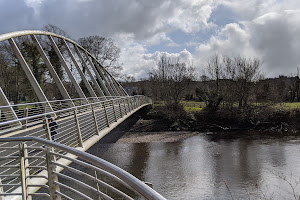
(98, 76)
(52, 177)
(89, 72)
(35, 85)
(83, 78)
(64, 64)
(78, 129)
(24, 171)
(52, 71)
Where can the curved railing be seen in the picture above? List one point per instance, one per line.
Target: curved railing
(103, 104)
(89, 177)
(102, 111)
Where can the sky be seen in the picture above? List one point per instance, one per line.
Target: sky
(191, 30)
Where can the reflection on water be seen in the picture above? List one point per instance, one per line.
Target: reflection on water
(198, 168)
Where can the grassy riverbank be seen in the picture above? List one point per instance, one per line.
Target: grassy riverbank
(195, 116)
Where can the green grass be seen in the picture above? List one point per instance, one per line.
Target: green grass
(192, 106)
(195, 106)
(287, 106)
(192, 109)
(189, 106)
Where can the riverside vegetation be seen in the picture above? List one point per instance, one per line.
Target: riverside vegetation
(196, 116)
(234, 96)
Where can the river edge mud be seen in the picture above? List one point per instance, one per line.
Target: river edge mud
(158, 131)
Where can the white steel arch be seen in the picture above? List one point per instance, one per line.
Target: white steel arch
(103, 82)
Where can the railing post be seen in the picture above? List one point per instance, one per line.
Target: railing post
(125, 106)
(52, 177)
(134, 102)
(59, 108)
(24, 171)
(113, 106)
(106, 117)
(95, 120)
(1, 191)
(47, 129)
(128, 103)
(121, 115)
(25, 115)
(98, 188)
(78, 129)
(45, 108)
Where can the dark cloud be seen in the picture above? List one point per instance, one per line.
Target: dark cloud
(143, 18)
(16, 15)
(107, 17)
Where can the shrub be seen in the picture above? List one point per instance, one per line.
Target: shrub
(172, 114)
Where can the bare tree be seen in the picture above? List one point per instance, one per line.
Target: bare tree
(171, 78)
(234, 79)
(212, 93)
(214, 68)
(247, 72)
(105, 51)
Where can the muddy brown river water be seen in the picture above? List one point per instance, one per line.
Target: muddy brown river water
(197, 167)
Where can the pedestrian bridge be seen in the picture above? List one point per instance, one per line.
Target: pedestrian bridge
(32, 165)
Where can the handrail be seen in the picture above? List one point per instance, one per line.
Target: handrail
(132, 181)
(57, 111)
(63, 110)
(62, 100)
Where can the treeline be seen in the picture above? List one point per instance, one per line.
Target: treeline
(14, 82)
(229, 81)
(236, 94)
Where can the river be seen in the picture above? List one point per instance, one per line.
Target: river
(201, 168)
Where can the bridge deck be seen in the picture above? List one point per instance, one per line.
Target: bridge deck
(80, 127)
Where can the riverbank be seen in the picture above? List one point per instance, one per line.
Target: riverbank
(147, 137)
(145, 131)
(264, 119)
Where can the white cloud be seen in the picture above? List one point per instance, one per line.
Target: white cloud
(138, 63)
(192, 16)
(248, 10)
(35, 4)
(231, 40)
(272, 37)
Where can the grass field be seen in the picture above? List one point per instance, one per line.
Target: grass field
(195, 106)
(189, 106)
(287, 106)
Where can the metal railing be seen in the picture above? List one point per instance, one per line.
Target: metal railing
(29, 168)
(104, 110)
(79, 126)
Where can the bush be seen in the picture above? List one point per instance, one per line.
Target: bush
(172, 114)
(235, 118)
